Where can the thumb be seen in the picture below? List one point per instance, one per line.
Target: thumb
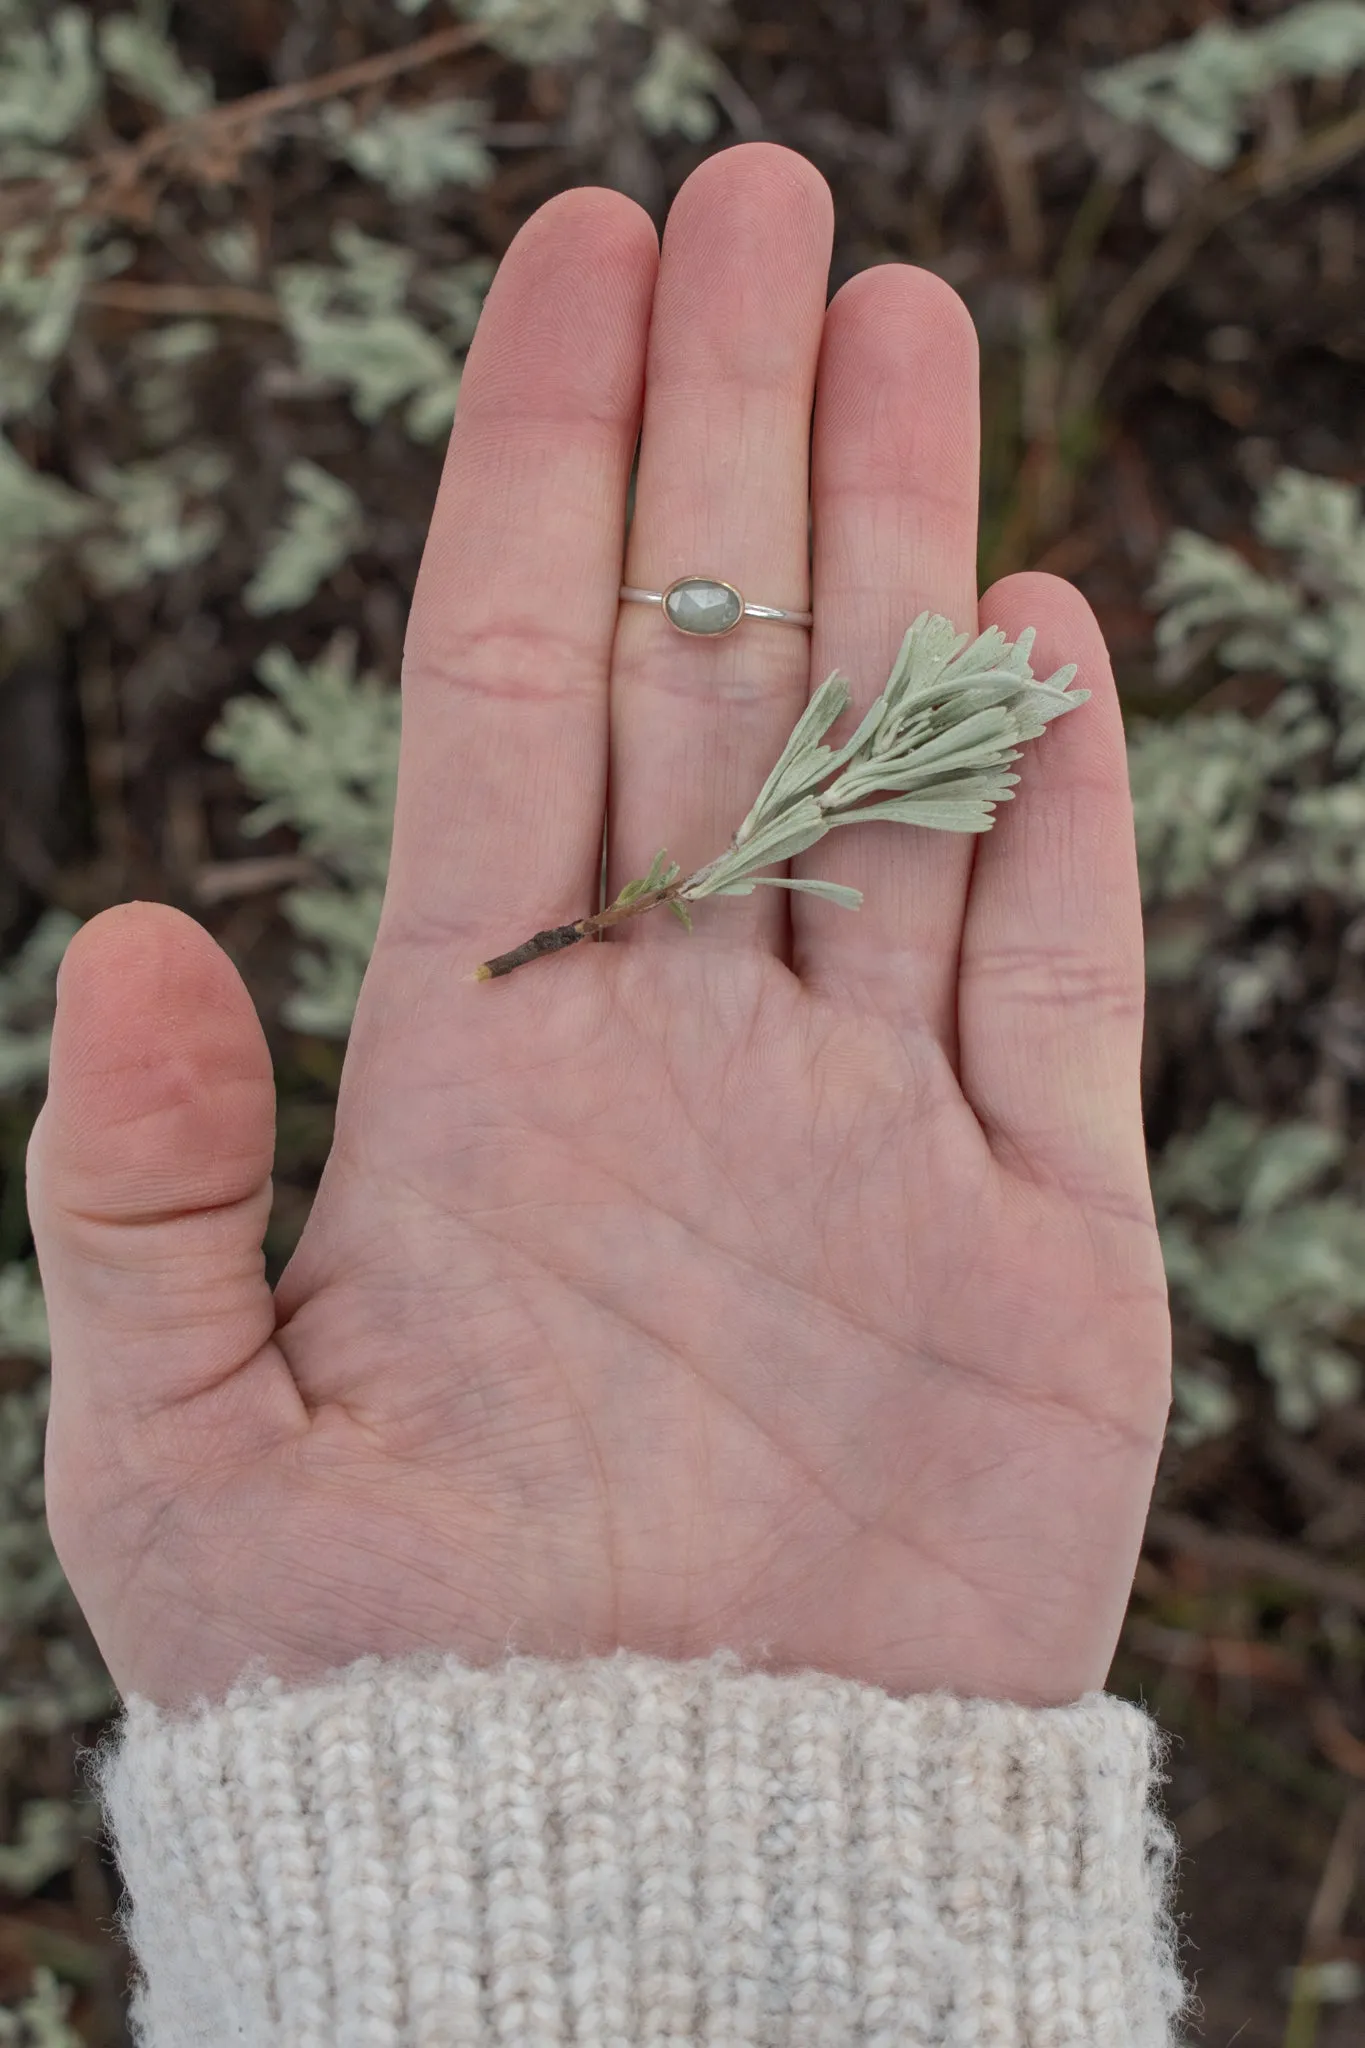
(149, 1189)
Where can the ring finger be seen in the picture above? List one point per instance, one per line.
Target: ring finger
(723, 491)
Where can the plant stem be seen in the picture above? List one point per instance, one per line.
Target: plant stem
(558, 937)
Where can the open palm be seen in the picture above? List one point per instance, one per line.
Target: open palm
(791, 1285)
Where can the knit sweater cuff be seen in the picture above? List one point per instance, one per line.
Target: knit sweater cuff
(625, 1852)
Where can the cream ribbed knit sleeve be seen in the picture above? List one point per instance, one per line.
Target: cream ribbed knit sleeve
(628, 1853)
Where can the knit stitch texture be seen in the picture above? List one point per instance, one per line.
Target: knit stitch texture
(629, 1853)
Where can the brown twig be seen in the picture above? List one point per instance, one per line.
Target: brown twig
(1257, 1555)
(184, 301)
(1265, 176)
(557, 937)
(211, 144)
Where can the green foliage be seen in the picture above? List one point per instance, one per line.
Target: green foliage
(353, 329)
(1270, 805)
(23, 1316)
(144, 60)
(414, 153)
(1200, 95)
(323, 757)
(1201, 789)
(36, 512)
(68, 1689)
(1238, 815)
(1258, 1260)
(42, 278)
(49, 86)
(325, 525)
(159, 516)
(933, 749)
(27, 999)
(549, 31)
(673, 92)
(39, 2019)
(160, 363)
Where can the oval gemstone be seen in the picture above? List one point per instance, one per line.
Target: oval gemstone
(698, 605)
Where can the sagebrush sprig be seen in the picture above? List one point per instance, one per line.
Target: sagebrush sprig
(932, 750)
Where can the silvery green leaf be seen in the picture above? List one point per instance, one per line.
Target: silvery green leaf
(969, 780)
(832, 892)
(934, 745)
(351, 329)
(159, 367)
(323, 528)
(1202, 93)
(44, 274)
(801, 749)
(681, 912)
(928, 647)
(770, 841)
(662, 872)
(414, 152)
(161, 516)
(943, 813)
(236, 250)
(322, 758)
(37, 513)
(148, 64)
(549, 31)
(1203, 1407)
(49, 80)
(673, 93)
(979, 741)
(1288, 1161)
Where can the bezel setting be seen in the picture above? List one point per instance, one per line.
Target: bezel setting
(717, 583)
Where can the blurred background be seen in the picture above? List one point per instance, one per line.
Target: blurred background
(243, 245)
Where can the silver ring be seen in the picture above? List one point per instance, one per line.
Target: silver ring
(705, 608)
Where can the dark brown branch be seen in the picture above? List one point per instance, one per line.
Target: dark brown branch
(557, 937)
(206, 144)
(184, 301)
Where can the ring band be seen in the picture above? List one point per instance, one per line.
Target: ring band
(704, 607)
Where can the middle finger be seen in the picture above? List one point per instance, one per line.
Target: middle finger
(723, 491)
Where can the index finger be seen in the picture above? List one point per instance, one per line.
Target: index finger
(503, 764)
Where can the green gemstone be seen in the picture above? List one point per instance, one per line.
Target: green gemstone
(698, 605)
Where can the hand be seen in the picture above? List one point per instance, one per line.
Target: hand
(791, 1285)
